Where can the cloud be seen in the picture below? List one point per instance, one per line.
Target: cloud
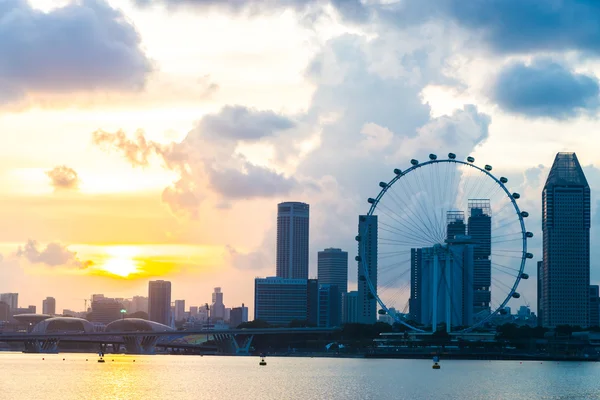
(255, 260)
(208, 159)
(63, 177)
(84, 46)
(53, 255)
(545, 89)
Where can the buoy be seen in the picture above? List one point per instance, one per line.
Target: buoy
(101, 360)
(63, 359)
(436, 366)
(43, 359)
(262, 360)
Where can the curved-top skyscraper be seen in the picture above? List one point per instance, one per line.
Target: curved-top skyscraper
(565, 273)
(292, 240)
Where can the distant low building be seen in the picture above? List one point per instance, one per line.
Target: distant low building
(280, 301)
(238, 315)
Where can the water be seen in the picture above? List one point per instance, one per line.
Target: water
(27, 376)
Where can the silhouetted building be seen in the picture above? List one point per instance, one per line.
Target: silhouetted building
(159, 302)
(566, 244)
(106, 310)
(333, 270)
(49, 306)
(4, 311)
(480, 230)
(179, 310)
(292, 240)
(367, 303)
(455, 224)
(349, 307)
(540, 272)
(12, 299)
(594, 305)
(139, 303)
(312, 302)
(217, 308)
(280, 301)
(238, 315)
(193, 311)
(329, 306)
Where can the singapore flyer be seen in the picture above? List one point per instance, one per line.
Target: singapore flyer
(443, 245)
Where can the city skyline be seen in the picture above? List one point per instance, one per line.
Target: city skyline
(318, 113)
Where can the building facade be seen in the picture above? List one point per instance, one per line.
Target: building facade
(217, 308)
(480, 230)
(179, 310)
(49, 306)
(566, 244)
(238, 315)
(159, 302)
(292, 240)
(280, 301)
(12, 299)
(367, 304)
(349, 307)
(329, 306)
(540, 274)
(332, 265)
(106, 310)
(594, 305)
(312, 302)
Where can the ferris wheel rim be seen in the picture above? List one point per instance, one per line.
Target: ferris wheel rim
(432, 161)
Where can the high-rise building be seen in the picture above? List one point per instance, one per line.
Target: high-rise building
(217, 308)
(179, 310)
(12, 299)
(594, 305)
(238, 315)
(349, 307)
(540, 272)
(159, 302)
(4, 311)
(312, 302)
(480, 230)
(566, 244)
(333, 268)
(49, 306)
(367, 304)
(106, 310)
(280, 301)
(329, 306)
(139, 304)
(292, 240)
(455, 224)
(193, 312)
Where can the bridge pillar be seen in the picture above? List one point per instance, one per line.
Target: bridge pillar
(245, 347)
(49, 345)
(140, 344)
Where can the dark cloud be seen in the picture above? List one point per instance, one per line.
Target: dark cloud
(53, 255)
(545, 89)
(63, 177)
(84, 46)
(242, 123)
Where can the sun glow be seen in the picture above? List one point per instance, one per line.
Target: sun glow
(121, 261)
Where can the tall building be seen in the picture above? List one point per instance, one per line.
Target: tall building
(280, 301)
(349, 307)
(455, 224)
(292, 240)
(106, 310)
(238, 315)
(367, 304)
(566, 244)
(139, 304)
(193, 312)
(217, 308)
(179, 310)
(540, 272)
(329, 306)
(49, 306)
(159, 302)
(12, 299)
(312, 302)
(333, 268)
(594, 305)
(480, 230)
(4, 311)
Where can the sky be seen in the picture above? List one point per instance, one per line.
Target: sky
(153, 139)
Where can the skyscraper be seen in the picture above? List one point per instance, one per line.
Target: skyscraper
(367, 304)
(179, 310)
(480, 230)
(159, 301)
(49, 306)
(280, 301)
(292, 240)
(217, 308)
(594, 305)
(333, 268)
(12, 299)
(540, 276)
(566, 244)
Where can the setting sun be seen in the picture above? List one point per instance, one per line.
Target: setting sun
(121, 261)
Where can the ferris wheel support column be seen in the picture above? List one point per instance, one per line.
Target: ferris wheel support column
(435, 290)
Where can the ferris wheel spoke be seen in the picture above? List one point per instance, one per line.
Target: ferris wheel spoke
(396, 231)
(386, 210)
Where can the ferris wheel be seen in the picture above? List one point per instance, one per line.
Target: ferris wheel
(443, 246)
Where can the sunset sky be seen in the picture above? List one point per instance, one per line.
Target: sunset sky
(144, 139)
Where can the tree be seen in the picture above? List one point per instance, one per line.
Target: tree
(138, 314)
(256, 324)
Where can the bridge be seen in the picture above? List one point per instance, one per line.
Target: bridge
(229, 341)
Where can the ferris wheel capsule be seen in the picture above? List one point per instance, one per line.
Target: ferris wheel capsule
(397, 171)
(524, 214)
(471, 159)
(414, 162)
(503, 180)
(524, 276)
(451, 156)
(432, 157)
(516, 196)
(529, 234)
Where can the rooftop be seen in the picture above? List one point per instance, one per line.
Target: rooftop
(566, 171)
